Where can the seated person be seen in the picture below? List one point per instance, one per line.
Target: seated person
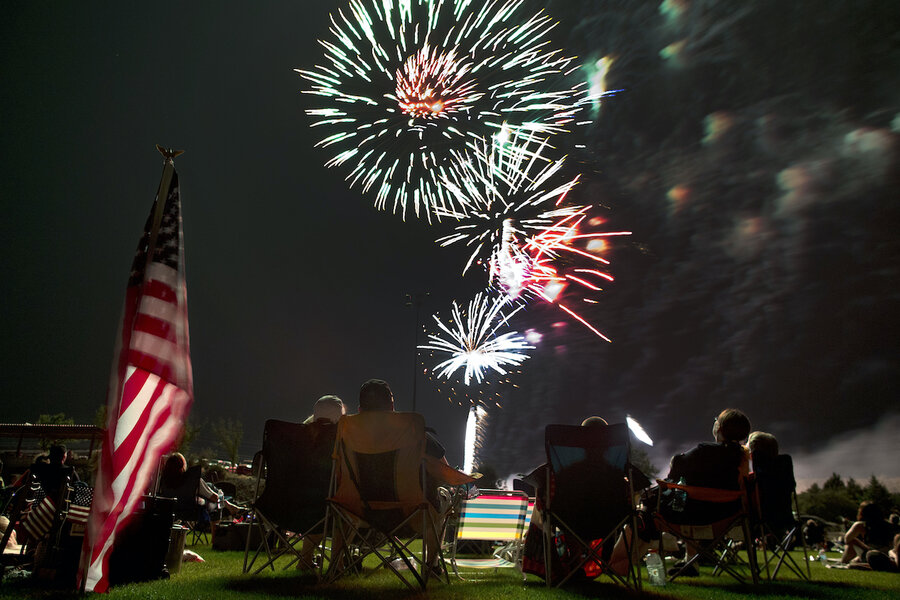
(721, 465)
(872, 540)
(775, 482)
(763, 448)
(12, 545)
(326, 413)
(52, 473)
(328, 408)
(533, 553)
(814, 533)
(208, 497)
(376, 395)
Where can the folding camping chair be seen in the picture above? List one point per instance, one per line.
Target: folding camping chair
(775, 507)
(37, 517)
(492, 516)
(588, 497)
(187, 510)
(378, 498)
(530, 491)
(291, 510)
(19, 510)
(704, 538)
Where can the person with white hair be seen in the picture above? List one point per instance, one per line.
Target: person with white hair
(328, 408)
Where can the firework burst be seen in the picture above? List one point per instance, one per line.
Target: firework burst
(472, 342)
(405, 82)
(510, 188)
(547, 251)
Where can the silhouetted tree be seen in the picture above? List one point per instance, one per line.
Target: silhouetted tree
(55, 419)
(854, 490)
(834, 483)
(188, 435)
(229, 434)
(641, 460)
(879, 494)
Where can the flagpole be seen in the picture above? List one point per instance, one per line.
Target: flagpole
(168, 169)
(169, 155)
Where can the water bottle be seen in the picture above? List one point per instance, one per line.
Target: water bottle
(679, 497)
(823, 558)
(656, 573)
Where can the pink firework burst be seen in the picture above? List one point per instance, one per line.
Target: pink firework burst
(536, 265)
(433, 84)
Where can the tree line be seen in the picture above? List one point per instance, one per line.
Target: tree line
(836, 499)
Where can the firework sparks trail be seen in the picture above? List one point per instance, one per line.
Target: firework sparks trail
(475, 427)
(473, 343)
(533, 265)
(406, 82)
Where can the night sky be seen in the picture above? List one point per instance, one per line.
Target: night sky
(752, 150)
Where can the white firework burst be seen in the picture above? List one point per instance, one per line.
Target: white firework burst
(472, 341)
(405, 82)
(511, 190)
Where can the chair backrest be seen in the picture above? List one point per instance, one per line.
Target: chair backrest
(775, 484)
(19, 507)
(494, 515)
(378, 465)
(185, 493)
(523, 486)
(589, 467)
(42, 510)
(298, 470)
(528, 512)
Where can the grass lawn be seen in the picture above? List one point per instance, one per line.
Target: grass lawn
(220, 578)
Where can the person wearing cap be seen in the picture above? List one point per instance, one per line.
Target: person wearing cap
(328, 408)
(327, 411)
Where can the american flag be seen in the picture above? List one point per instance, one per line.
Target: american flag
(151, 387)
(80, 505)
(39, 519)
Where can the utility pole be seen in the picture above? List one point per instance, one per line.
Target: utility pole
(415, 300)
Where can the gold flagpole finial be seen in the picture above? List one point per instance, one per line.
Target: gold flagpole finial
(169, 153)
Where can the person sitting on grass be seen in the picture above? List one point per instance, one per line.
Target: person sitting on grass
(871, 542)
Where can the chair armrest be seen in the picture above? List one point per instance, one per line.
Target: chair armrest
(703, 494)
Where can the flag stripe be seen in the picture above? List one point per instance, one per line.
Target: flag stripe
(154, 347)
(134, 382)
(152, 363)
(133, 421)
(160, 289)
(150, 325)
(160, 274)
(159, 309)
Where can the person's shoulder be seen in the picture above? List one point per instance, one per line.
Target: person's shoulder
(703, 449)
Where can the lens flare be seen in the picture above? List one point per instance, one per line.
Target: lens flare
(638, 431)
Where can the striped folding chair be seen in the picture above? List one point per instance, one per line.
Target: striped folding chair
(493, 516)
(529, 512)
